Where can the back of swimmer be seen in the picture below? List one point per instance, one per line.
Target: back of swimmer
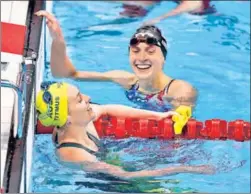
(201, 7)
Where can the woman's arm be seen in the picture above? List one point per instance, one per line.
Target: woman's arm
(129, 112)
(119, 172)
(184, 7)
(90, 163)
(123, 78)
(184, 94)
(61, 65)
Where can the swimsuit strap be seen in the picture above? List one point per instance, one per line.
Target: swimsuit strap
(166, 89)
(94, 139)
(78, 145)
(75, 145)
(135, 86)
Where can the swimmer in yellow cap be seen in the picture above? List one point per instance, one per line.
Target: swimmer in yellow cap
(72, 114)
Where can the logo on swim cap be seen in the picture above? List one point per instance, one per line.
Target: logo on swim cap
(52, 104)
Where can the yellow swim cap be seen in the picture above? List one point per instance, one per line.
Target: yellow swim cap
(52, 105)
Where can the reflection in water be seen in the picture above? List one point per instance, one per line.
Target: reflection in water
(235, 33)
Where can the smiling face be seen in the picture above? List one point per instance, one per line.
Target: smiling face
(146, 60)
(79, 107)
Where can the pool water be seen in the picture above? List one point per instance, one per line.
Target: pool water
(211, 52)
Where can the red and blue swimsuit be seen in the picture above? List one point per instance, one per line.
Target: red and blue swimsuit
(155, 101)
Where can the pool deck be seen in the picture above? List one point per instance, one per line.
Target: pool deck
(12, 12)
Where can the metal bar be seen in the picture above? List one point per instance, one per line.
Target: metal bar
(29, 82)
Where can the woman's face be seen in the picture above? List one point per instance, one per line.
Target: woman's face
(79, 107)
(146, 60)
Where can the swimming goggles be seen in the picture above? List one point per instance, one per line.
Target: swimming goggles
(47, 95)
(147, 38)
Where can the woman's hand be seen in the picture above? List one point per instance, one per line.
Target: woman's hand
(164, 115)
(53, 25)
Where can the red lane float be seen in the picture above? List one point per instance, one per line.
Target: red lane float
(214, 129)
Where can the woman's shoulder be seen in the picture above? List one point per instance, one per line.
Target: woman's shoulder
(180, 86)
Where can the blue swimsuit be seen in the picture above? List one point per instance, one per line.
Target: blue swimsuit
(155, 101)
